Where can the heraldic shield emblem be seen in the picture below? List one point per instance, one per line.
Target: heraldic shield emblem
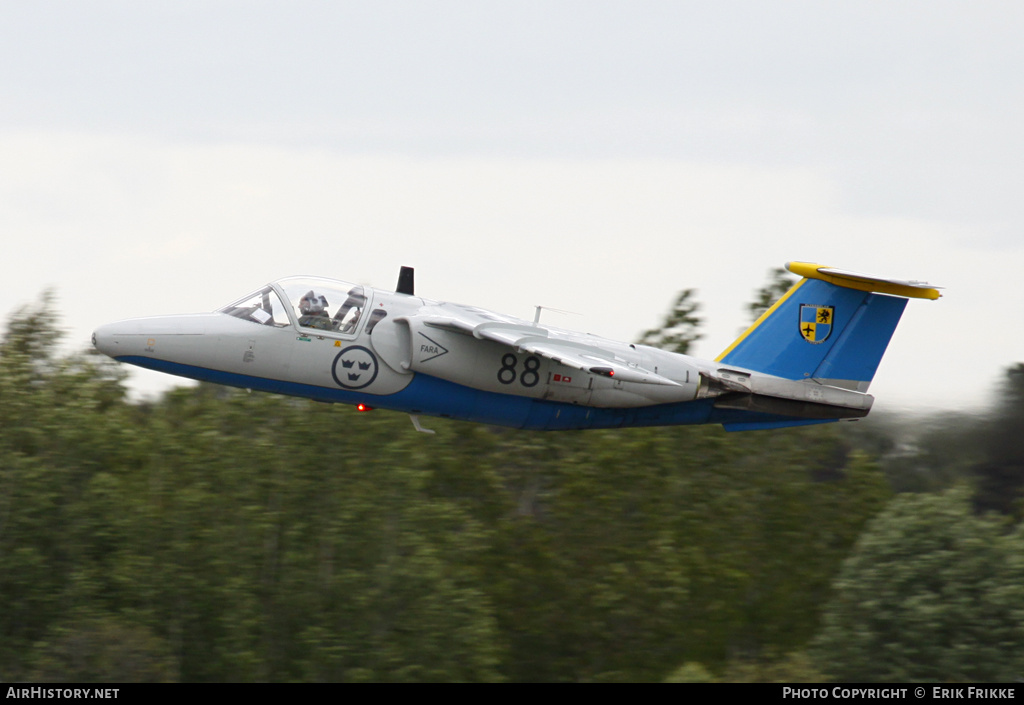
(816, 322)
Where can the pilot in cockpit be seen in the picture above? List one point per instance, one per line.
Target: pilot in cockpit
(352, 322)
(313, 311)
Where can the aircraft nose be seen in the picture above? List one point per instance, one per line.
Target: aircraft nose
(122, 337)
(105, 340)
(141, 336)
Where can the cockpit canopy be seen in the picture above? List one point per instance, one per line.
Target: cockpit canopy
(309, 302)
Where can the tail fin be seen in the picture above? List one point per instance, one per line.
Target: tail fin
(832, 326)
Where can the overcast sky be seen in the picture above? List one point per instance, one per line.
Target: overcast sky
(168, 157)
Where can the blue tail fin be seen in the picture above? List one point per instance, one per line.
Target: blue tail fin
(832, 326)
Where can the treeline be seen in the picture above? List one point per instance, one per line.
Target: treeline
(216, 535)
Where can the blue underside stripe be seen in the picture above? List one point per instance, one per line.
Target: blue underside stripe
(435, 397)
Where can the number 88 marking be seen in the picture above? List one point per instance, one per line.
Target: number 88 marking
(531, 370)
(507, 373)
(529, 378)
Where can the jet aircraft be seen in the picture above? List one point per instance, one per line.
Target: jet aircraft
(808, 359)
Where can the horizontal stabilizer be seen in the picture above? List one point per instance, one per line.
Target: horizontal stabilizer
(864, 282)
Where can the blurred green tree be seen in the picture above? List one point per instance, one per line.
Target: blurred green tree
(55, 433)
(779, 281)
(999, 477)
(931, 592)
(101, 649)
(680, 328)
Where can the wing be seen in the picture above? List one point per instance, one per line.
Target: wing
(587, 353)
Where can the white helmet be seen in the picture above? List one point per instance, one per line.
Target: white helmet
(312, 304)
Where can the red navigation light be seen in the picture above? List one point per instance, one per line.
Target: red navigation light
(363, 407)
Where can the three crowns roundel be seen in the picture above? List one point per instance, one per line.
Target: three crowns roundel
(816, 322)
(357, 369)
